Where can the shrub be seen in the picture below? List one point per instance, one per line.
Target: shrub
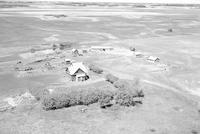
(125, 98)
(90, 96)
(95, 69)
(121, 84)
(106, 98)
(170, 30)
(39, 93)
(33, 50)
(132, 48)
(133, 86)
(66, 45)
(111, 78)
(77, 97)
(56, 101)
(54, 47)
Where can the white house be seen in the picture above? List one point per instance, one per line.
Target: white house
(153, 59)
(78, 71)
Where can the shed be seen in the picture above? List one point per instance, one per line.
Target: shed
(75, 52)
(68, 61)
(78, 71)
(153, 59)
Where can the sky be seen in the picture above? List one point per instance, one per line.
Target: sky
(126, 1)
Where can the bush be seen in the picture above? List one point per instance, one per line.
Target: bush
(132, 48)
(125, 98)
(38, 93)
(170, 30)
(66, 45)
(121, 84)
(56, 101)
(77, 97)
(33, 50)
(106, 98)
(133, 86)
(95, 69)
(90, 97)
(111, 78)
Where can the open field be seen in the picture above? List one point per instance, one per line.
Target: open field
(172, 86)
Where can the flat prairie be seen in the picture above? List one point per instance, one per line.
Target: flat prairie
(172, 86)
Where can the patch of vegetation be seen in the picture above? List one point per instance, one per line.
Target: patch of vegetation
(125, 98)
(56, 101)
(170, 30)
(111, 78)
(33, 50)
(66, 45)
(132, 48)
(73, 98)
(125, 95)
(38, 93)
(95, 69)
(194, 132)
(133, 86)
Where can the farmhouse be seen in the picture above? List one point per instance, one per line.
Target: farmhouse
(101, 48)
(78, 72)
(153, 59)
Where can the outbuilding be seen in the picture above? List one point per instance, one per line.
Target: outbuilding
(78, 71)
(75, 52)
(153, 59)
(68, 61)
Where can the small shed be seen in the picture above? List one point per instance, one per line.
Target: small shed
(153, 59)
(78, 71)
(75, 52)
(68, 61)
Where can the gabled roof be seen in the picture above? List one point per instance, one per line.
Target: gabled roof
(74, 50)
(74, 67)
(138, 53)
(153, 58)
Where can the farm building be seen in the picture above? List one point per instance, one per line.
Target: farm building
(77, 71)
(75, 52)
(153, 59)
(68, 61)
(101, 48)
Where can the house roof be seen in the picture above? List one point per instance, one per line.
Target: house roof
(138, 53)
(68, 60)
(153, 58)
(74, 67)
(74, 50)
